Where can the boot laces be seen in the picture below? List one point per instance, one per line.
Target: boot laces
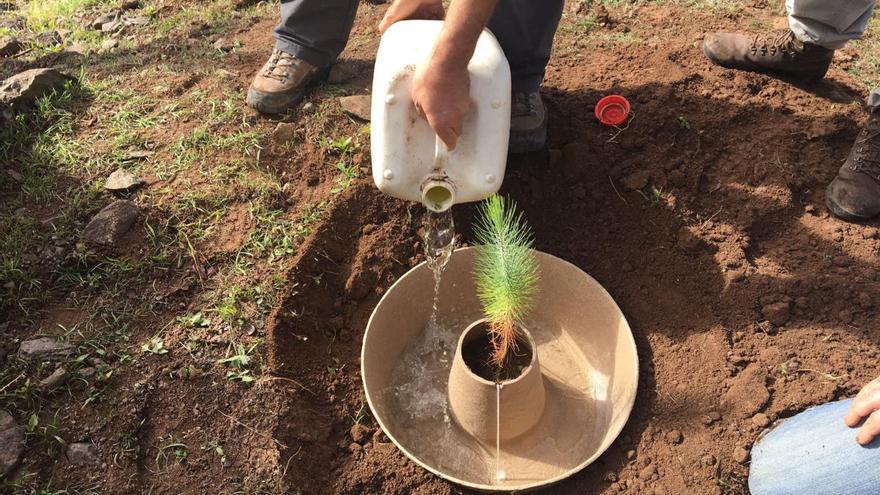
(280, 65)
(867, 150)
(782, 41)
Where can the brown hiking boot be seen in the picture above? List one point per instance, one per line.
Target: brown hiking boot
(854, 194)
(776, 53)
(528, 123)
(282, 82)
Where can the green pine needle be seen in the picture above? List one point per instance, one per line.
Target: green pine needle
(506, 271)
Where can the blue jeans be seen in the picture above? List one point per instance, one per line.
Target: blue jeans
(814, 453)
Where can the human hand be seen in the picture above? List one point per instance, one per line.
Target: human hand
(411, 9)
(866, 405)
(442, 94)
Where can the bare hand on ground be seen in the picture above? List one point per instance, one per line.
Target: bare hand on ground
(411, 9)
(866, 405)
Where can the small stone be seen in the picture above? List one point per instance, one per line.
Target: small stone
(284, 131)
(88, 372)
(636, 180)
(709, 460)
(82, 453)
(45, 348)
(56, 379)
(135, 20)
(741, 455)
(24, 88)
(122, 180)
(810, 209)
(309, 107)
(647, 472)
(98, 23)
(223, 45)
(130, 5)
(48, 38)
(630, 454)
(777, 313)
(9, 46)
(357, 106)
(674, 437)
(110, 224)
(760, 420)
(360, 433)
(11, 443)
(109, 44)
(711, 418)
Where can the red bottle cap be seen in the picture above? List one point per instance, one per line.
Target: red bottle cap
(612, 110)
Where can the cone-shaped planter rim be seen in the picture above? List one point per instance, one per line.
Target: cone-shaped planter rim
(525, 335)
(588, 362)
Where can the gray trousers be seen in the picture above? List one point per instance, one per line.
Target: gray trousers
(317, 31)
(831, 23)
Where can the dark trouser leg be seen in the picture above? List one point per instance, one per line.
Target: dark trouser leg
(525, 30)
(315, 30)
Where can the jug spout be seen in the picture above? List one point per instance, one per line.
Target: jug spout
(438, 193)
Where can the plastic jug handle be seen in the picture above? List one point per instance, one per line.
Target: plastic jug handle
(441, 154)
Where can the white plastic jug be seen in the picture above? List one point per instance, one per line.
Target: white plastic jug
(409, 161)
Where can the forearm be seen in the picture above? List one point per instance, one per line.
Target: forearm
(465, 21)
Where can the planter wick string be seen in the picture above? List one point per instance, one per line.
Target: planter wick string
(499, 473)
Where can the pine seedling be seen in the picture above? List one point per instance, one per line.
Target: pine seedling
(506, 272)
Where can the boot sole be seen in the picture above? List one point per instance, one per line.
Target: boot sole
(528, 141)
(811, 79)
(275, 103)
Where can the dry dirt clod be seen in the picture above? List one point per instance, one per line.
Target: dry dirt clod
(777, 313)
(711, 418)
(45, 348)
(108, 45)
(110, 224)
(223, 45)
(749, 393)
(11, 443)
(636, 180)
(9, 46)
(56, 379)
(15, 22)
(284, 131)
(674, 437)
(360, 433)
(357, 106)
(760, 420)
(48, 38)
(99, 22)
(24, 88)
(741, 455)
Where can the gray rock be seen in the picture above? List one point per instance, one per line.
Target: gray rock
(15, 22)
(122, 180)
(223, 45)
(107, 18)
(309, 107)
(135, 20)
(82, 453)
(48, 38)
(58, 378)
(109, 44)
(45, 348)
(11, 443)
(22, 89)
(9, 46)
(356, 106)
(110, 224)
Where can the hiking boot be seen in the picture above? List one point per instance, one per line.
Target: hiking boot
(282, 82)
(528, 123)
(776, 53)
(854, 194)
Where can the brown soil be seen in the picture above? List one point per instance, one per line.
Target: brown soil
(477, 355)
(704, 219)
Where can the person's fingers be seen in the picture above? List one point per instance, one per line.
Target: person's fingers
(870, 429)
(448, 136)
(866, 402)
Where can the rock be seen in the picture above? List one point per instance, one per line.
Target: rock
(15, 22)
(11, 443)
(111, 223)
(45, 348)
(130, 5)
(636, 180)
(777, 313)
(711, 418)
(109, 44)
(9, 46)
(674, 437)
(309, 107)
(748, 394)
(7, 6)
(760, 420)
(82, 453)
(360, 433)
(135, 20)
(112, 26)
(284, 131)
(22, 89)
(122, 180)
(48, 38)
(223, 45)
(741, 455)
(356, 106)
(647, 472)
(56, 379)
(107, 18)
